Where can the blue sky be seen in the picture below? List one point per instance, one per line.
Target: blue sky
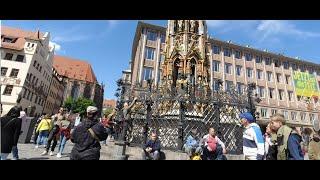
(107, 44)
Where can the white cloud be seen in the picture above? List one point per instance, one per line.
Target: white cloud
(269, 28)
(70, 38)
(56, 46)
(77, 33)
(112, 23)
(73, 34)
(261, 31)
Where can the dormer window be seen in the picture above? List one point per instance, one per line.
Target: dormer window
(9, 40)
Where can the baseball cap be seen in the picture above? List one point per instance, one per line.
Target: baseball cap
(248, 116)
(92, 109)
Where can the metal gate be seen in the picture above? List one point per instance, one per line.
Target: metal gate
(174, 115)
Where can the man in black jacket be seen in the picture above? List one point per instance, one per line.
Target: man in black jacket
(10, 131)
(151, 149)
(87, 136)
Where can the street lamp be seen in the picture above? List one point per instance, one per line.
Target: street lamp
(121, 142)
(253, 99)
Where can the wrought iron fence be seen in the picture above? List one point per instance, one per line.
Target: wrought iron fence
(174, 115)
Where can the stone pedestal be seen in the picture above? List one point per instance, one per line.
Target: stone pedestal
(120, 151)
(27, 128)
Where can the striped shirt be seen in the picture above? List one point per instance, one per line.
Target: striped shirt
(253, 142)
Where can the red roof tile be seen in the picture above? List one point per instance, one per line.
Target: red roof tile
(74, 69)
(22, 35)
(109, 103)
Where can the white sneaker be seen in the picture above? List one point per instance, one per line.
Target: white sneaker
(51, 153)
(44, 153)
(59, 155)
(37, 147)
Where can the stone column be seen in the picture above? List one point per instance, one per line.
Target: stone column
(144, 40)
(93, 91)
(158, 50)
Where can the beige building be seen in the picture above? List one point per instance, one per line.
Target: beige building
(149, 42)
(126, 76)
(235, 65)
(79, 80)
(26, 62)
(54, 99)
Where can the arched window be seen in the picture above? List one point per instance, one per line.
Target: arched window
(87, 91)
(75, 90)
(193, 66)
(175, 73)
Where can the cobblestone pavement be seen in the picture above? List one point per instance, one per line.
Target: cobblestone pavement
(29, 152)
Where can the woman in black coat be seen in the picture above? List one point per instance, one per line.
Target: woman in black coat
(10, 131)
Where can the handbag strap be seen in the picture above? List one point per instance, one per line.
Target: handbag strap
(5, 126)
(93, 134)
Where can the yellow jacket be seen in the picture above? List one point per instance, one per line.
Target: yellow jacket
(45, 124)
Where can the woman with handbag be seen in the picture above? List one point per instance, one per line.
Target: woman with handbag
(65, 131)
(54, 133)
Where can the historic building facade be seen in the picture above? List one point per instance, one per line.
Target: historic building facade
(79, 79)
(183, 54)
(26, 62)
(54, 99)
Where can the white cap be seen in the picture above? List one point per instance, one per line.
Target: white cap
(92, 109)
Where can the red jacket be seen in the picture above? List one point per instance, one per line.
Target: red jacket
(66, 132)
(107, 123)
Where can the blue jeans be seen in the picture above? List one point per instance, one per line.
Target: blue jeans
(15, 152)
(42, 138)
(4, 156)
(215, 155)
(63, 141)
(151, 156)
